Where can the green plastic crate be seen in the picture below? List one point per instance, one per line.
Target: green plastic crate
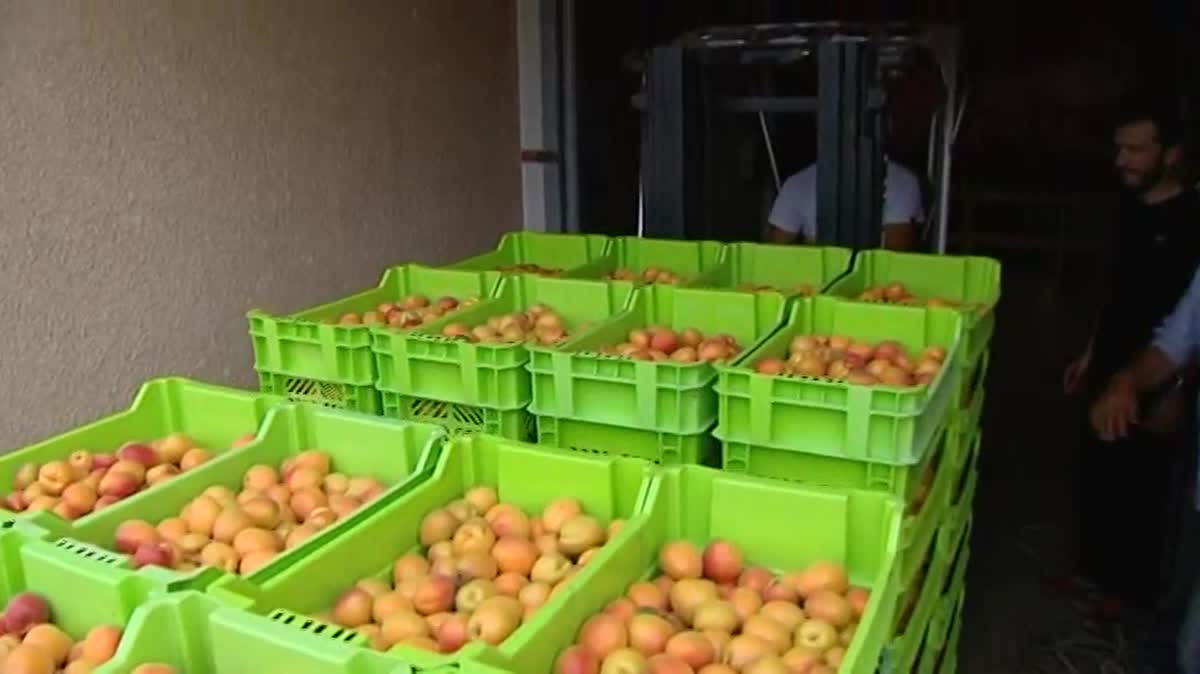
(576, 382)
(364, 399)
(946, 660)
(953, 594)
(696, 262)
(525, 475)
(747, 266)
(965, 279)
(804, 416)
(666, 449)
(78, 601)
(422, 363)
(197, 635)
(213, 416)
(569, 253)
(857, 528)
(903, 650)
(391, 451)
(962, 500)
(302, 345)
(458, 419)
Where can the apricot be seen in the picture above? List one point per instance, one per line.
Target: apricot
(133, 533)
(364, 488)
(822, 576)
(80, 497)
(307, 500)
(387, 604)
(172, 448)
(100, 644)
(201, 514)
(510, 584)
(576, 660)
(534, 595)
(688, 594)
(858, 598)
(647, 595)
(191, 544)
(778, 636)
(194, 457)
(743, 650)
(314, 459)
(681, 559)
(28, 659)
(579, 533)
(830, 607)
(649, 633)
(155, 668)
(229, 523)
(474, 536)
(550, 569)
(304, 478)
(470, 596)
(51, 640)
(54, 477)
(492, 623)
(756, 578)
(260, 477)
(335, 484)
(434, 594)
(602, 634)
(221, 556)
(515, 555)
(353, 608)
(745, 602)
(693, 648)
(298, 535)
(722, 561)
(341, 506)
(255, 560)
(161, 473)
(410, 566)
(779, 591)
(558, 512)
(403, 625)
(172, 529)
(508, 521)
(483, 498)
(716, 614)
(118, 484)
(788, 615)
(253, 539)
(438, 526)
(451, 633)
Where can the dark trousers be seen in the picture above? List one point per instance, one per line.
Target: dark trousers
(1129, 502)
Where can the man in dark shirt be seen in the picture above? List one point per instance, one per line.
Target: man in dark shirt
(1127, 500)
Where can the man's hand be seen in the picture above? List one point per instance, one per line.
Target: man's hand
(1076, 373)
(1116, 409)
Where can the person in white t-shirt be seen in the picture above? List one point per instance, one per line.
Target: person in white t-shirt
(794, 216)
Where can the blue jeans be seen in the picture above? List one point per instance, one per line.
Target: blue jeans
(1189, 636)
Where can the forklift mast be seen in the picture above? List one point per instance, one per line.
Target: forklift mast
(852, 64)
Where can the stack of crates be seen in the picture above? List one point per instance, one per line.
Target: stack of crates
(926, 637)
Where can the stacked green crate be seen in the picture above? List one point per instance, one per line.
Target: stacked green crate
(969, 283)
(470, 386)
(662, 410)
(323, 354)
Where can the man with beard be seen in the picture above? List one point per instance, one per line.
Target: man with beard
(1127, 503)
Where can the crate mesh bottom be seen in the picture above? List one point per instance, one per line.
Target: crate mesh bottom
(459, 419)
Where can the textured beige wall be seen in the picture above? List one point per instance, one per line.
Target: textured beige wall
(167, 164)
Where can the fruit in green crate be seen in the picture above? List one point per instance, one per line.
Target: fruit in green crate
(34, 644)
(660, 343)
(409, 312)
(85, 482)
(241, 532)
(651, 274)
(530, 268)
(801, 289)
(691, 621)
(839, 358)
(538, 324)
(898, 293)
(478, 576)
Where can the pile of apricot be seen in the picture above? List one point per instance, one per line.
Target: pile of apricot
(484, 567)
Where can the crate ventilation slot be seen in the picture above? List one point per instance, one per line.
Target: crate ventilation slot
(314, 626)
(87, 552)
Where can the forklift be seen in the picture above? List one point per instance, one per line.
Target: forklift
(700, 84)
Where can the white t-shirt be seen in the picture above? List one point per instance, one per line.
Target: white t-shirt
(795, 208)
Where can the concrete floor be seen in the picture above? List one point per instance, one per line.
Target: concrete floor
(1024, 532)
